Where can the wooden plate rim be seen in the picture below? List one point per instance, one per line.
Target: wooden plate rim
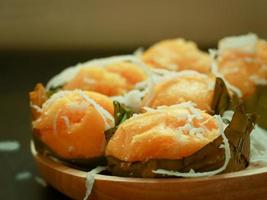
(252, 170)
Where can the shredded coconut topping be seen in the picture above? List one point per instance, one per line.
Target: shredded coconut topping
(132, 99)
(90, 179)
(135, 98)
(66, 122)
(192, 173)
(55, 97)
(246, 43)
(104, 113)
(37, 108)
(106, 116)
(55, 122)
(69, 73)
(228, 114)
(40, 181)
(258, 152)
(258, 80)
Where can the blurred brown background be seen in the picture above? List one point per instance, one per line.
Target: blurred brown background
(120, 24)
(39, 38)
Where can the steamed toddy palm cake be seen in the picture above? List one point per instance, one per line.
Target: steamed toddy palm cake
(72, 123)
(179, 140)
(243, 62)
(177, 54)
(108, 76)
(170, 132)
(181, 87)
(112, 80)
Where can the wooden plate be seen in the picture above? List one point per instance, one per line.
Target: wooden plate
(248, 184)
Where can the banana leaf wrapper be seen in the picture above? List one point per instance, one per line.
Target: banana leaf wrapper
(221, 98)
(211, 156)
(121, 113)
(257, 103)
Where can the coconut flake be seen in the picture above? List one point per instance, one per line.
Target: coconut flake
(21, 176)
(246, 43)
(187, 105)
(228, 115)
(191, 173)
(37, 108)
(139, 52)
(55, 97)
(90, 179)
(66, 121)
(206, 121)
(106, 116)
(155, 77)
(258, 147)
(195, 112)
(40, 181)
(148, 109)
(77, 106)
(6, 146)
(258, 80)
(132, 99)
(149, 91)
(55, 122)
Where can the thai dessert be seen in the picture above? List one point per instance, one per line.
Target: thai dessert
(110, 78)
(179, 140)
(173, 110)
(181, 87)
(242, 60)
(71, 124)
(177, 54)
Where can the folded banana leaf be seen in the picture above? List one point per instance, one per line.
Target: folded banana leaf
(221, 99)
(121, 113)
(258, 103)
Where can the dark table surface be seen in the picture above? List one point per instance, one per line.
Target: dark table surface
(20, 71)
